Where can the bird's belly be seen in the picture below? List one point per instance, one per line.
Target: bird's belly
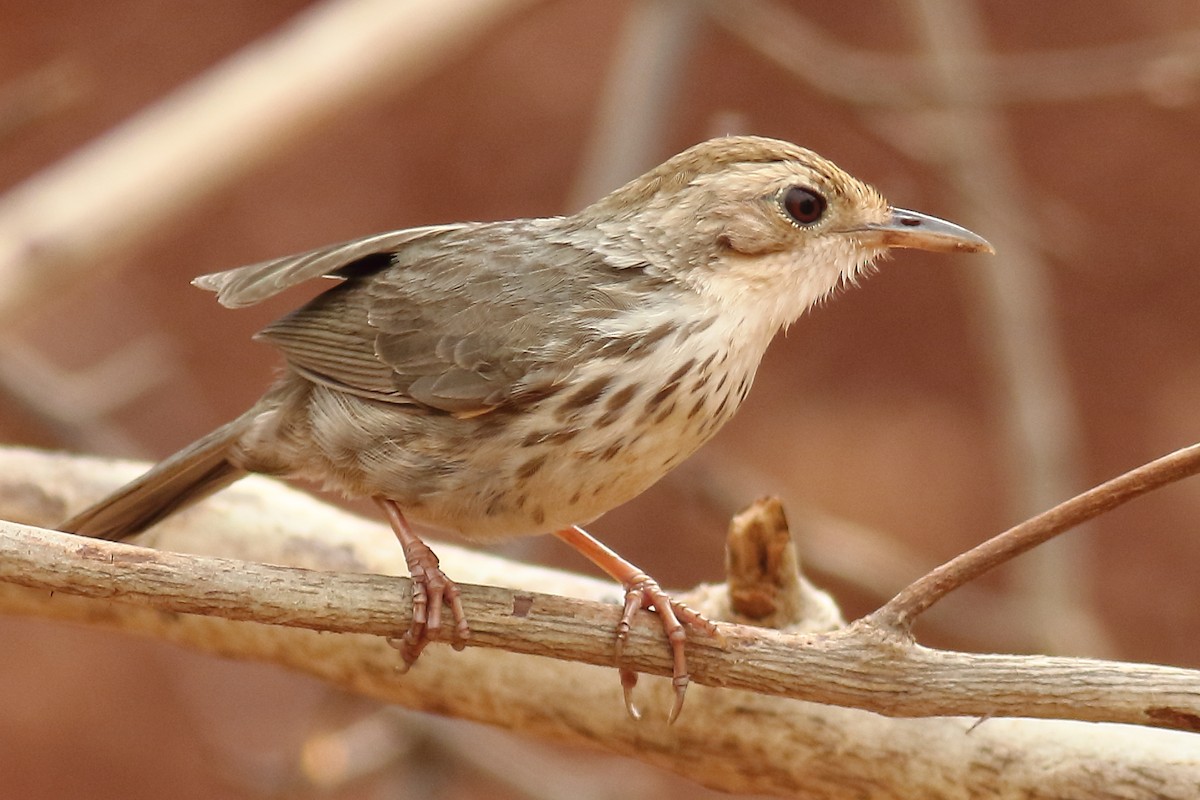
(542, 488)
(566, 461)
(527, 476)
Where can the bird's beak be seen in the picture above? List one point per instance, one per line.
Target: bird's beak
(906, 228)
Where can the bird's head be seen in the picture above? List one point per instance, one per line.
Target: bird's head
(749, 220)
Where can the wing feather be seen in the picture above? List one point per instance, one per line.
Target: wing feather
(245, 286)
(458, 319)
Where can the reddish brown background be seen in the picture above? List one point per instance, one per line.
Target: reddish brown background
(878, 408)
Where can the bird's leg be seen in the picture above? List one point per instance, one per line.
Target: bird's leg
(431, 588)
(642, 592)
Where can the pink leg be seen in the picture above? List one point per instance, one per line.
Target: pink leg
(431, 588)
(642, 592)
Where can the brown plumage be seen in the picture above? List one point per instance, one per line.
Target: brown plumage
(522, 377)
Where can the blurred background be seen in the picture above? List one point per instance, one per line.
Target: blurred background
(143, 143)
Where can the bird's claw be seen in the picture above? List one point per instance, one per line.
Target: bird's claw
(431, 589)
(643, 592)
(629, 680)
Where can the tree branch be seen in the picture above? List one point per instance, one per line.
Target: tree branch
(735, 738)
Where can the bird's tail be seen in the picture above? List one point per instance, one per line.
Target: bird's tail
(192, 474)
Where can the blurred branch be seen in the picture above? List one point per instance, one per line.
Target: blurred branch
(545, 774)
(1018, 323)
(966, 83)
(61, 224)
(73, 405)
(31, 98)
(794, 747)
(1166, 68)
(643, 82)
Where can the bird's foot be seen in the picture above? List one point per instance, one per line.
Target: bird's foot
(643, 592)
(431, 589)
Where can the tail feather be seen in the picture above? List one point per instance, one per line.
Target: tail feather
(181, 480)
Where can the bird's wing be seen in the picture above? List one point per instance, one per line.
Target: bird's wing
(251, 284)
(461, 320)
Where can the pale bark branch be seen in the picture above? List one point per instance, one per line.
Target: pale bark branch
(860, 666)
(734, 737)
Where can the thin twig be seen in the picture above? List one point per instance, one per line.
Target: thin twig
(75, 405)
(899, 612)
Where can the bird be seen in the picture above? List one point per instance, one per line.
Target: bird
(521, 377)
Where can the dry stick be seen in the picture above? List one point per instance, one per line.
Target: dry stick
(899, 612)
(854, 667)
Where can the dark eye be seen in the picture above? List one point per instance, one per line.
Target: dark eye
(803, 205)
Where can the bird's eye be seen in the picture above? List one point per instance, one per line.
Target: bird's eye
(805, 206)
